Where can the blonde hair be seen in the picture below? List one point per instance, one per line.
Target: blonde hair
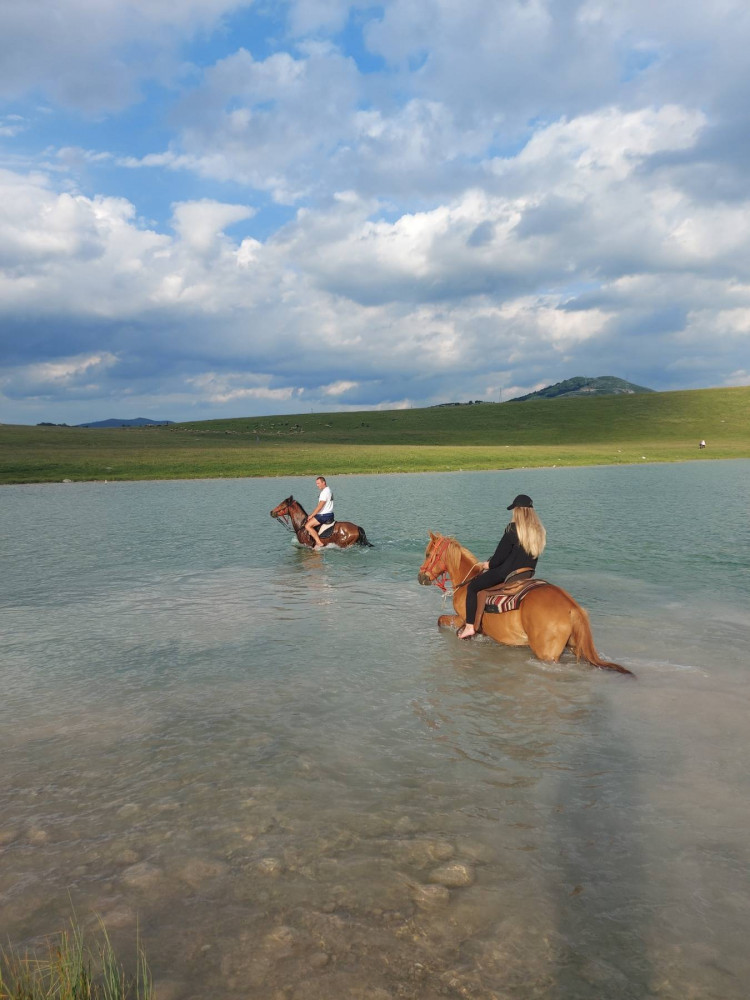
(531, 533)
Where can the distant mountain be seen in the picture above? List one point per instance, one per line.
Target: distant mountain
(604, 385)
(137, 422)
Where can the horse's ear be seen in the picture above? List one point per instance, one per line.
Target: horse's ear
(432, 535)
(289, 500)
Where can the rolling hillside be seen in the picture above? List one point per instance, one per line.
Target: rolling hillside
(647, 427)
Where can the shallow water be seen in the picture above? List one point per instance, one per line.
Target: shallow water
(298, 787)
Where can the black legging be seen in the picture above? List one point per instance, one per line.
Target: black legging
(490, 578)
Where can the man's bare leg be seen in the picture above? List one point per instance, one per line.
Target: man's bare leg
(310, 526)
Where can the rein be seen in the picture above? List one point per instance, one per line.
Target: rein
(285, 520)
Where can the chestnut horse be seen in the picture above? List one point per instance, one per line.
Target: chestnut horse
(344, 533)
(548, 620)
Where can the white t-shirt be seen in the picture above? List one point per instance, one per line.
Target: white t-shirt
(327, 497)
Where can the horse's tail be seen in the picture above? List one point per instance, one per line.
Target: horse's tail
(582, 641)
(363, 539)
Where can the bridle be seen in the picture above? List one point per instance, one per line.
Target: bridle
(439, 579)
(429, 570)
(285, 519)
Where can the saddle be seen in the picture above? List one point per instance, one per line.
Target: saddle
(508, 596)
(325, 530)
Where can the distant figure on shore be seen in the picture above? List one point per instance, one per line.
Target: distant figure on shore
(702, 444)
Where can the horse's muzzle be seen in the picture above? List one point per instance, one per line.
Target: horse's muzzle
(424, 579)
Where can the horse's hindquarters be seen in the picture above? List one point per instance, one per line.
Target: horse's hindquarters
(344, 534)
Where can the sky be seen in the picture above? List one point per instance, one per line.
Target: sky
(216, 208)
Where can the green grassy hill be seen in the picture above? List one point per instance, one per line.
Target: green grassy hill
(654, 427)
(580, 385)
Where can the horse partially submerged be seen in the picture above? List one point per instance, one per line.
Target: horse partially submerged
(547, 620)
(291, 513)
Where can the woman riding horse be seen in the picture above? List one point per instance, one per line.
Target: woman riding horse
(515, 557)
(547, 619)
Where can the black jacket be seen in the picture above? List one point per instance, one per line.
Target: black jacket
(510, 555)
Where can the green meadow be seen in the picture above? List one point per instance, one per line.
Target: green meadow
(604, 430)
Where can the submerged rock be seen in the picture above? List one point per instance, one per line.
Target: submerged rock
(270, 866)
(423, 852)
(119, 916)
(453, 876)
(319, 960)
(142, 875)
(127, 856)
(199, 870)
(428, 897)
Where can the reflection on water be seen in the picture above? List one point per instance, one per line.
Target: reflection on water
(275, 764)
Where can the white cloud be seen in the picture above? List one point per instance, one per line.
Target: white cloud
(230, 387)
(94, 54)
(200, 224)
(66, 369)
(338, 388)
(270, 123)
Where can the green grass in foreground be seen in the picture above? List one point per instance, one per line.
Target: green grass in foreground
(607, 430)
(70, 970)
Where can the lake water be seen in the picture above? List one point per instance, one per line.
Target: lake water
(275, 765)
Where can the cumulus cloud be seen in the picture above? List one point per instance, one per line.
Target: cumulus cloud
(267, 123)
(93, 55)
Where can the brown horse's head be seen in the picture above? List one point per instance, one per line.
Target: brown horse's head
(434, 567)
(282, 509)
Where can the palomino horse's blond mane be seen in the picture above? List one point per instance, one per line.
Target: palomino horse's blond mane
(455, 551)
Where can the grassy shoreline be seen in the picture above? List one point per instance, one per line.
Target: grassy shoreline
(614, 430)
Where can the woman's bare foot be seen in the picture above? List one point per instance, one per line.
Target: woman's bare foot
(466, 632)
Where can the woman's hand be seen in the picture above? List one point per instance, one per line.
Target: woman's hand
(485, 565)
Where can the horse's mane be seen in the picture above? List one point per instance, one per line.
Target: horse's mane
(290, 500)
(453, 544)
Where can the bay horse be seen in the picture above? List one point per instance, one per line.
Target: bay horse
(548, 620)
(291, 513)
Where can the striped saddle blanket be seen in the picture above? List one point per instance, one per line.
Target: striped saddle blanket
(508, 596)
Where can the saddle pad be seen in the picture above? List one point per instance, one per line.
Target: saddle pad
(325, 529)
(501, 600)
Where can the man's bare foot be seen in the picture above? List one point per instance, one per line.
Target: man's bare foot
(466, 632)
(318, 546)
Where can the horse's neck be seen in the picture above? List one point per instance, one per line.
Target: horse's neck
(460, 564)
(298, 516)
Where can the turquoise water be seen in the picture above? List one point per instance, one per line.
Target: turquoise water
(276, 764)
